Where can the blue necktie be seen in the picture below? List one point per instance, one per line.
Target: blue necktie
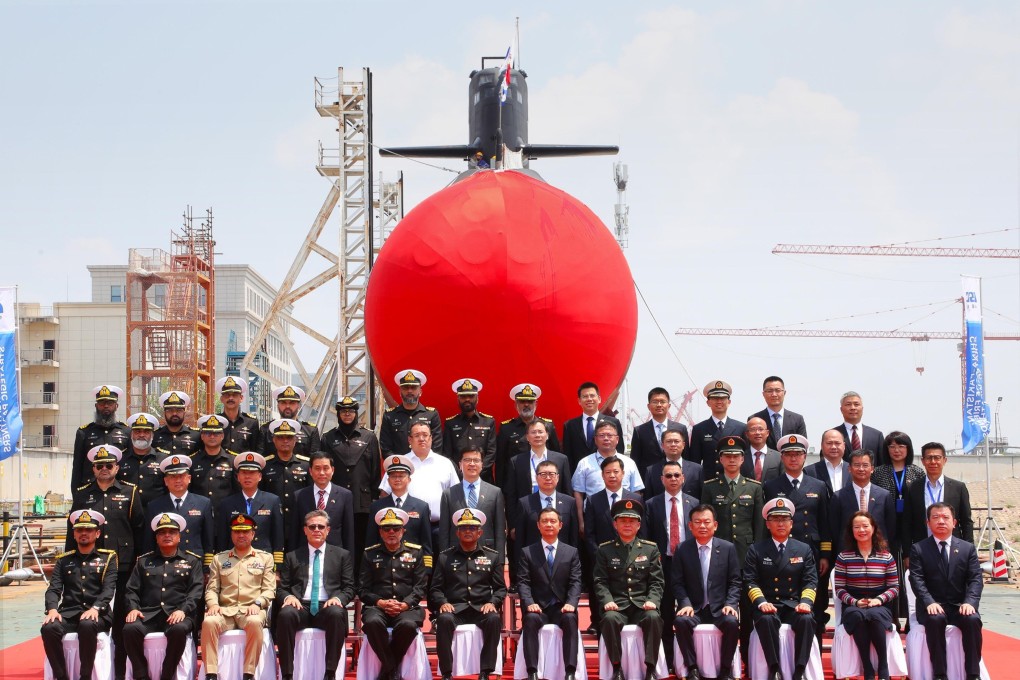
(589, 431)
(782, 550)
(548, 501)
(549, 560)
(247, 502)
(316, 578)
(472, 499)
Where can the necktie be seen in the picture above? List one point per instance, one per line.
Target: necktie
(472, 499)
(658, 433)
(612, 500)
(674, 527)
(864, 501)
(703, 555)
(945, 555)
(398, 502)
(855, 441)
(548, 501)
(322, 499)
(777, 427)
(719, 427)
(733, 486)
(589, 431)
(796, 483)
(549, 559)
(177, 505)
(316, 577)
(247, 502)
(782, 549)
(757, 465)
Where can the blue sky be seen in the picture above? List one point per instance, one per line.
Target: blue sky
(743, 125)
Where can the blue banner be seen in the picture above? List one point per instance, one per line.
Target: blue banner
(975, 405)
(10, 403)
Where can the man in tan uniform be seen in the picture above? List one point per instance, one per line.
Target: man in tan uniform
(241, 587)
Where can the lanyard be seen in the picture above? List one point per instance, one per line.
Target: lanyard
(899, 479)
(931, 496)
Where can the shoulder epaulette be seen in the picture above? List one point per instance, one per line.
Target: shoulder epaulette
(156, 448)
(305, 422)
(391, 408)
(453, 416)
(607, 542)
(753, 481)
(448, 550)
(430, 408)
(548, 420)
(146, 554)
(647, 542)
(193, 554)
(82, 427)
(301, 457)
(486, 415)
(270, 457)
(232, 453)
(107, 550)
(506, 421)
(84, 486)
(64, 554)
(372, 547)
(415, 546)
(490, 549)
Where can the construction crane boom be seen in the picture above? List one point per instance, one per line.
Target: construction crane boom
(810, 333)
(903, 251)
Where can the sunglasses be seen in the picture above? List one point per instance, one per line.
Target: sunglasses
(674, 475)
(391, 528)
(316, 527)
(103, 466)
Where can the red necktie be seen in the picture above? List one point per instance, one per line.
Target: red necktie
(674, 527)
(757, 465)
(322, 499)
(855, 441)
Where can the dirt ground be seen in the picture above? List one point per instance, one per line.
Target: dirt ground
(1005, 495)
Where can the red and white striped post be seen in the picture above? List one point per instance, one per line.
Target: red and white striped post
(999, 572)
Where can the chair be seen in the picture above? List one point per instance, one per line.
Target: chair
(467, 651)
(103, 670)
(155, 652)
(232, 656)
(632, 646)
(550, 655)
(310, 654)
(707, 648)
(918, 657)
(846, 660)
(787, 651)
(415, 665)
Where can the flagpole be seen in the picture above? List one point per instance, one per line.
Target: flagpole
(21, 435)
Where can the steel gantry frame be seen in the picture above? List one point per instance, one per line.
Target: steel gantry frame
(367, 213)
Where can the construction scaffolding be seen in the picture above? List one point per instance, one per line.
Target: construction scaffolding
(170, 322)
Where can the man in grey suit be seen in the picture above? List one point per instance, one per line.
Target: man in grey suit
(857, 435)
(646, 442)
(780, 420)
(473, 493)
(763, 462)
(673, 446)
(861, 494)
(831, 469)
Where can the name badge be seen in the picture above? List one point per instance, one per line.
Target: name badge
(899, 505)
(796, 560)
(766, 560)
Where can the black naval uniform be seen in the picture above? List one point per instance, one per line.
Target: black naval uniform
(121, 505)
(79, 582)
(467, 581)
(213, 476)
(512, 440)
(356, 467)
(396, 427)
(629, 574)
(243, 434)
(477, 431)
(143, 471)
(283, 478)
(184, 440)
(401, 575)
(784, 581)
(89, 436)
(158, 587)
(307, 440)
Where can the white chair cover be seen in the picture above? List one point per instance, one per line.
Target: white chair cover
(232, 656)
(918, 657)
(103, 669)
(155, 652)
(467, 651)
(415, 665)
(846, 661)
(310, 654)
(707, 648)
(787, 651)
(550, 655)
(632, 646)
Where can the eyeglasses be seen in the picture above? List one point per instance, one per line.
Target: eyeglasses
(861, 466)
(391, 528)
(548, 474)
(674, 475)
(607, 435)
(316, 527)
(774, 390)
(471, 461)
(659, 402)
(933, 459)
(103, 466)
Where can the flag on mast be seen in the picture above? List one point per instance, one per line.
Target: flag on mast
(504, 75)
(10, 401)
(975, 404)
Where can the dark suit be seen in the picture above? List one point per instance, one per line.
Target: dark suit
(339, 507)
(268, 516)
(656, 510)
(550, 590)
(490, 501)
(954, 493)
(511, 440)
(518, 481)
(653, 479)
(845, 503)
(771, 465)
(525, 520)
(959, 583)
(418, 528)
(576, 445)
(871, 440)
(687, 582)
(646, 447)
(820, 471)
(598, 520)
(704, 438)
(200, 535)
(793, 423)
(337, 576)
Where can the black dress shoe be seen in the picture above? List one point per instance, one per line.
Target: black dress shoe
(211, 676)
(693, 674)
(776, 675)
(532, 675)
(798, 673)
(447, 677)
(618, 674)
(569, 676)
(650, 673)
(484, 675)
(725, 676)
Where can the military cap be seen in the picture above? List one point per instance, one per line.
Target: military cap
(792, 442)
(242, 522)
(391, 517)
(525, 392)
(284, 427)
(249, 461)
(467, 386)
(211, 423)
(230, 384)
(628, 508)
(168, 520)
(778, 506)
(730, 445)
(717, 388)
(87, 519)
(107, 393)
(469, 517)
(288, 393)
(104, 453)
(143, 421)
(347, 403)
(176, 464)
(174, 399)
(410, 377)
(398, 464)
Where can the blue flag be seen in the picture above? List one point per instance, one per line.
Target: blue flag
(10, 403)
(975, 405)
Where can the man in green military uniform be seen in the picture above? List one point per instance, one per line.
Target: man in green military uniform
(80, 595)
(394, 575)
(738, 501)
(240, 590)
(628, 585)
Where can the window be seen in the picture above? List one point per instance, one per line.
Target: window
(116, 293)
